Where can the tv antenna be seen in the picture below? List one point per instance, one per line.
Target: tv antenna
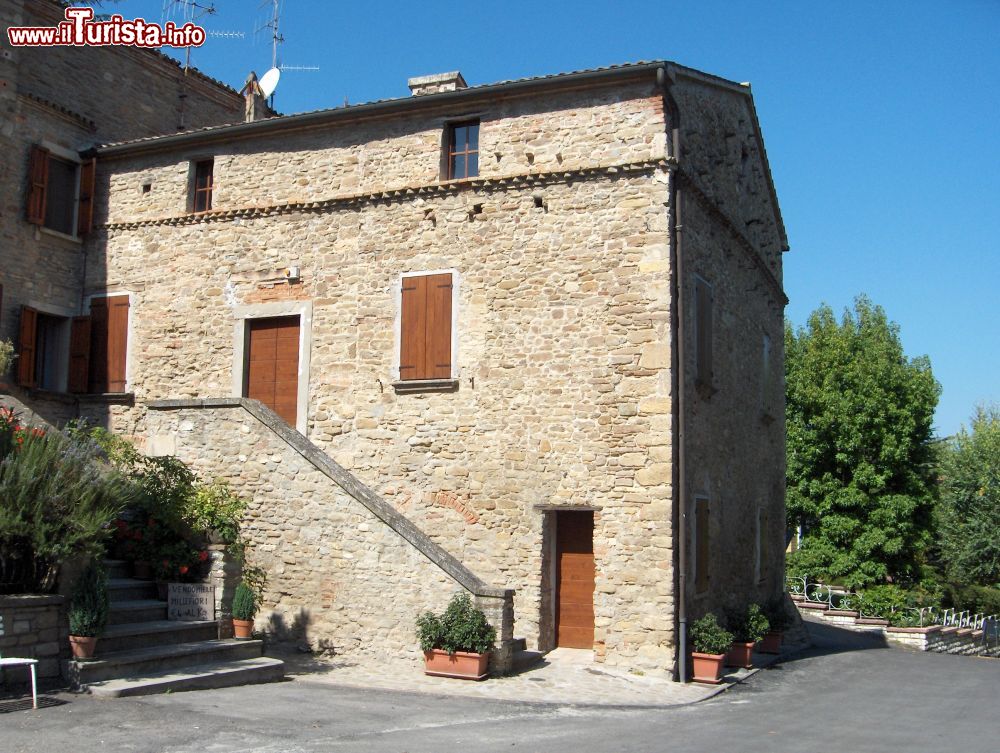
(274, 25)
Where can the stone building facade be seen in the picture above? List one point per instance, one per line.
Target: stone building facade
(61, 102)
(583, 407)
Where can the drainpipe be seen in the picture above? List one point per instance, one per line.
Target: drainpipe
(664, 78)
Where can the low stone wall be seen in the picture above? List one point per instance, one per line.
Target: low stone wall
(34, 627)
(346, 572)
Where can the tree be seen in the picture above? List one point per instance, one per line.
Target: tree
(859, 478)
(969, 510)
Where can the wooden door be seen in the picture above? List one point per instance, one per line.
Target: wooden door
(272, 374)
(575, 579)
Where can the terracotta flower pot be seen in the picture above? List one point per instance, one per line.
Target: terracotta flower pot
(83, 646)
(740, 655)
(462, 665)
(707, 667)
(242, 629)
(770, 643)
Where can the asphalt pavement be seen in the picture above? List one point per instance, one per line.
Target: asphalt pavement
(846, 693)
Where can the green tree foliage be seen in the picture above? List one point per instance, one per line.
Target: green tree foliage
(859, 426)
(969, 510)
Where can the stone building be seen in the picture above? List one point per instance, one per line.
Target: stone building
(522, 339)
(56, 104)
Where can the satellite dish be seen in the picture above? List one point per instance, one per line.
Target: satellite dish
(269, 82)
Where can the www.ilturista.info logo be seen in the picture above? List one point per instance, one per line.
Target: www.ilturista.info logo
(81, 30)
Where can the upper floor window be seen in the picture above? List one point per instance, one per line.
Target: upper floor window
(463, 150)
(203, 185)
(425, 334)
(60, 192)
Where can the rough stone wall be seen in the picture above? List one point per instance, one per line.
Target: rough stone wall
(735, 426)
(722, 153)
(338, 577)
(33, 627)
(563, 331)
(75, 98)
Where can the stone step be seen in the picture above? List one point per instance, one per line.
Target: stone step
(140, 610)
(132, 635)
(118, 569)
(158, 658)
(130, 589)
(524, 660)
(193, 677)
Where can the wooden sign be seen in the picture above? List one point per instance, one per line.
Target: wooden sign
(190, 601)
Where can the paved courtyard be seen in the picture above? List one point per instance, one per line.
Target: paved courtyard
(845, 693)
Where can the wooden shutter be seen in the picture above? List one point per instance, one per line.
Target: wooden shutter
(79, 354)
(38, 179)
(26, 356)
(701, 545)
(425, 327)
(438, 335)
(703, 328)
(108, 343)
(85, 211)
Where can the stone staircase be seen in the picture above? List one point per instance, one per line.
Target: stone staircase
(142, 652)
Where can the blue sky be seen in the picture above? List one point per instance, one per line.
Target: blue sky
(879, 119)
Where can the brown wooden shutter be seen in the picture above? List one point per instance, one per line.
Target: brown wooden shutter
(38, 179)
(26, 356)
(412, 327)
(425, 327)
(438, 335)
(79, 355)
(85, 213)
(117, 341)
(98, 380)
(701, 545)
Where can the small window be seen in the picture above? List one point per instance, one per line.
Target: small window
(425, 327)
(463, 150)
(701, 546)
(703, 331)
(60, 192)
(203, 185)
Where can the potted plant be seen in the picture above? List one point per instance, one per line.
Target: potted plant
(709, 641)
(88, 611)
(777, 618)
(458, 642)
(747, 627)
(245, 603)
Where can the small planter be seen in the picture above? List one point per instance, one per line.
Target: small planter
(707, 667)
(770, 643)
(740, 655)
(83, 646)
(461, 665)
(242, 629)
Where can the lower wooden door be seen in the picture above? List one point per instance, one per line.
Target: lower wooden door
(575, 579)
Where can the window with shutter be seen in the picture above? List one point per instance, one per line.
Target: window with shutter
(60, 192)
(463, 150)
(79, 355)
(425, 343)
(85, 208)
(108, 343)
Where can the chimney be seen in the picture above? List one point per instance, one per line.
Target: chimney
(437, 82)
(256, 103)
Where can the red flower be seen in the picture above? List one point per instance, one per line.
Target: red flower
(166, 564)
(182, 569)
(203, 555)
